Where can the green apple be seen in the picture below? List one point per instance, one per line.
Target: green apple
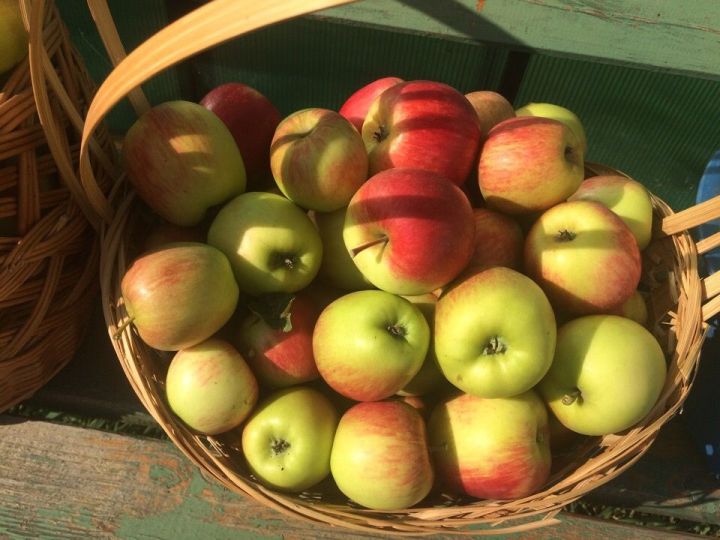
(337, 266)
(370, 344)
(210, 387)
(494, 333)
(13, 36)
(179, 295)
(606, 376)
(380, 456)
(182, 160)
(288, 439)
(634, 308)
(318, 159)
(556, 112)
(628, 199)
(491, 448)
(272, 245)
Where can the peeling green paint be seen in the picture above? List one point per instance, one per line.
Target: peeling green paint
(163, 476)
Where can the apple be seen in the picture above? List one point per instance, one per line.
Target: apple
(429, 378)
(288, 439)
(499, 241)
(13, 36)
(181, 159)
(356, 107)
(626, 198)
(529, 164)
(634, 308)
(490, 107)
(370, 344)
(559, 113)
(409, 231)
(607, 374)
(380, 457)
(180, 295)
(272, 245)
(491, 448)
(422, 125)
(494, 333)
(279, 349)
(210, 387)
(318, 159)
(584, 257)
(251, 118)
(337, 266)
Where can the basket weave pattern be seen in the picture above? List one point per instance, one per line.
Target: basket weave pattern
(48, 251)
(670, 277)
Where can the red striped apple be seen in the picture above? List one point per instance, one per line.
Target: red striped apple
(181, 159)
(499, 241)
(179, 295)
(410, 231)
(370, 344)
(529, 164)
(380, 456)
(584, 257)
(318, 159)
(490, 107)
(491, 448)
(210, 387)
(356, 107)
(251, 118)
(422, 125)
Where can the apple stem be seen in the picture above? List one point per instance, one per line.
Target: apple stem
(278, 446)
(381, 240)
(565, 236)
(127, 322)
(396, 330)
(572, 397)
(380, 134)
(494, 346)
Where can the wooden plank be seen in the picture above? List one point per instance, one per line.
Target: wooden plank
(66, 482)
(682, 37)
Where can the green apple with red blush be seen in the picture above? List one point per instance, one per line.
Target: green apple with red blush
(356, 107)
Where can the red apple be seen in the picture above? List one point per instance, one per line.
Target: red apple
(491, 448)
(279, 350)
(422, 125)
(499, 241)
(491, 108)
(251, 119)
(584, 257)
(529, 164)
(318, 159)
(410, 231)
(356, 107)
(182, 160)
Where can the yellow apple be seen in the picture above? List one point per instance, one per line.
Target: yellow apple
(13, 36)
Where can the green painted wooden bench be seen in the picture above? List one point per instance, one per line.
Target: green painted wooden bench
(643, 76)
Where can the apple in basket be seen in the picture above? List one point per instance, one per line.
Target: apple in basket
(490, 107)
(210, 387)
(318, 159)
(13, 36)
(410, 231)
(287, 440)
(607, 374)
(179, 295)
(251, 118)
(356, 107)
(181, 159)
(271, 243)
(584, 257)
(499, 241)
(559, 113)
(422, 125)
(529, 164)
(491, 448)
(380, 456)
(277, 341)
(370, 344)
(494, 333)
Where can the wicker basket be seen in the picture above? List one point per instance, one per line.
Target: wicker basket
(670, 273)
(49, 253)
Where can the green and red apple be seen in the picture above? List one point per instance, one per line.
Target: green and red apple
(356, 107)
(559, 113)
(499, 241)
(491, 108)
(13, 36)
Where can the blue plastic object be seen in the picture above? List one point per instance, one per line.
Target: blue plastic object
(701, 411)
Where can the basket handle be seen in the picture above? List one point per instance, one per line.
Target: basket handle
(205, 27)
(687, 219)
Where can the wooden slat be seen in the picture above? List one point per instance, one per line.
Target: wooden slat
(66, 482)
(673, 36)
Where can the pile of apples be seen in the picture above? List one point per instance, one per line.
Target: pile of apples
(409, 294)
